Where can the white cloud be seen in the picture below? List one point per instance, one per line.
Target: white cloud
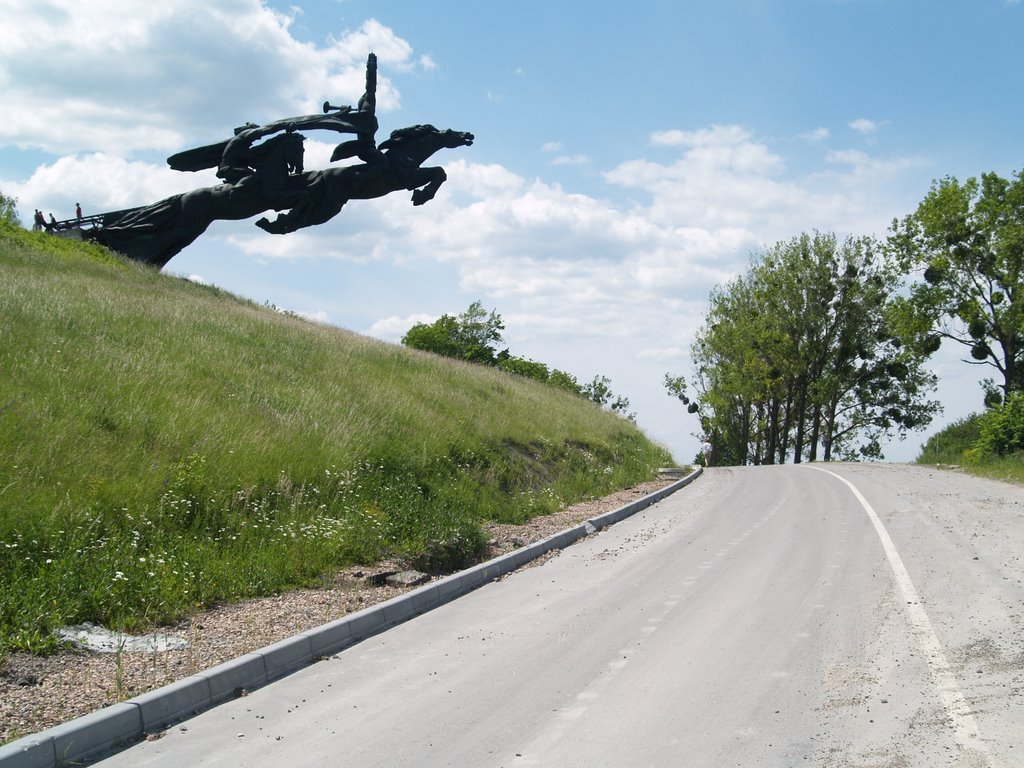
(481, 180)
(394, 328)
(723, 180)
(716, 135)
(316, 316)
(726, 147)
(113, 75)
(571, 160)
(816, 136)
(102, 183)
(865, 126)
(862, 164)
(673, 138)
(551, 146)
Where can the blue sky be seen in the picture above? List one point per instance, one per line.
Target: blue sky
(629, 157)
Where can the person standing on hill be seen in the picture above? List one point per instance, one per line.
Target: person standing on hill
(706, 449)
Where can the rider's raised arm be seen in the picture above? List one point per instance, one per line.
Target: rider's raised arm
(368, 101)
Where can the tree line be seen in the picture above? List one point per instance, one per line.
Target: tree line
(475, 336)
(818, 350)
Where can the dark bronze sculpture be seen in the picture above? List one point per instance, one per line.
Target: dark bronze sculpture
(269, 175)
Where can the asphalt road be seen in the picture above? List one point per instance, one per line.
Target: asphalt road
(759, 617)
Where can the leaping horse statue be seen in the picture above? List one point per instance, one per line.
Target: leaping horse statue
(266, 176)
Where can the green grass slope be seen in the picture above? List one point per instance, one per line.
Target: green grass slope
(165, 445)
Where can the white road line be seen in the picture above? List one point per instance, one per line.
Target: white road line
(959, 711)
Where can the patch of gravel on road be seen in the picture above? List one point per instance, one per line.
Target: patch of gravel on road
(38, 692)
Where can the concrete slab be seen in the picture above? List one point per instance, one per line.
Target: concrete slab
(29, 752)
(287, 656)
(398, 609)
(330, 638)
(96, 733)
(451, 587)
(246, 673)
(173, 702)
(366, 623)
(425, 598)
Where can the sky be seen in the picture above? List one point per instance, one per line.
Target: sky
(629, 157)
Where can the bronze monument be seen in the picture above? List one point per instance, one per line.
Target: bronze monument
(261, 168)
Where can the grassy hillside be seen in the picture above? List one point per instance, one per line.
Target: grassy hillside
(165, 445)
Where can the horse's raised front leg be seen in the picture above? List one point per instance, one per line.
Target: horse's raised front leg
(430, 179)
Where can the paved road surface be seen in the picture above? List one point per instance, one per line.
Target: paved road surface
(756, 618)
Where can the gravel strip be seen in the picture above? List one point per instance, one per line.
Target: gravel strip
(38, 692)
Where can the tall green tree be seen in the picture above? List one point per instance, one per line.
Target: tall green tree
(796, 356)
(965, 242)
(732, 384)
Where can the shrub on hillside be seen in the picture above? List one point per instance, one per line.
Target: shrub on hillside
(951, 445)
(9, 210)
(1002, 429)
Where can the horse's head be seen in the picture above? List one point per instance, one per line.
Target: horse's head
(421, 141)
(453, 139)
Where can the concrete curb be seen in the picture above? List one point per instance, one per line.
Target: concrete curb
(120, 725)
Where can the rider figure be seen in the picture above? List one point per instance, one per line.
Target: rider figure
(234, 163)
(238, 160)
